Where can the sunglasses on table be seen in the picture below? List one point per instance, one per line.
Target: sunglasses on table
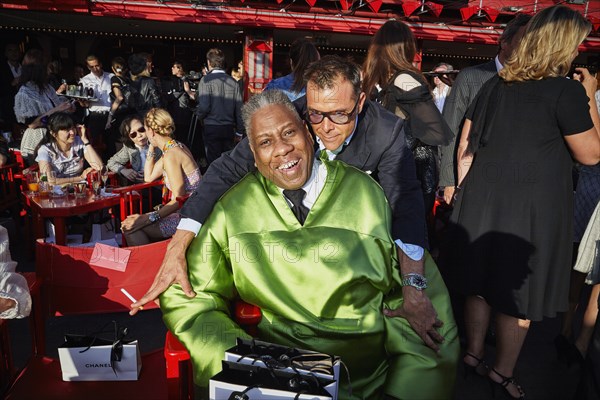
(133, 134)
(337, 117)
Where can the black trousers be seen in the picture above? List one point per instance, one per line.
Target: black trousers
(217, 139)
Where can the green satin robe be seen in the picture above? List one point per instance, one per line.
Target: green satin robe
(321, 286)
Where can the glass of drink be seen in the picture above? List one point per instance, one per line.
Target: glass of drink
(80, 189)
(104, 175)
(96, 183)
(33, 178)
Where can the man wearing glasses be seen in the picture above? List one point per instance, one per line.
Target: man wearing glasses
(322, 224)
(350, 128)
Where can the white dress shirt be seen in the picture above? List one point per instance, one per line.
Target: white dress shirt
(102, 88)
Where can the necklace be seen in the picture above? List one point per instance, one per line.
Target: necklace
(170, 144)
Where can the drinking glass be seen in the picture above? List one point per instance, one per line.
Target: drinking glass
(80, 189)
(104, 175)
(96, 186)
(33, 179)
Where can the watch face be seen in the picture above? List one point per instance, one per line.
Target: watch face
(416, 281)
(419, 281)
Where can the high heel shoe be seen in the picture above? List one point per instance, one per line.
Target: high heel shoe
(481, 368)
(504, 385)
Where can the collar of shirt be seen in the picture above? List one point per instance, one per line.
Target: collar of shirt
(332, 154)
(216, 71)
(314, 185)
(441, 93)
(143, 151)
(499, 65)
(16, 71)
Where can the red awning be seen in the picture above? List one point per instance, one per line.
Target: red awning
(444, 20)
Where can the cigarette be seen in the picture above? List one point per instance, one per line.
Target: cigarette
(130, 297)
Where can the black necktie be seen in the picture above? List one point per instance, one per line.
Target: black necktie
(299, 209)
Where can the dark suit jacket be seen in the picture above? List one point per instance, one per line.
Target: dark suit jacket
(465, 88)
(378, 147)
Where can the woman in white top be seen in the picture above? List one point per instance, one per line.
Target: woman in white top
(35, 101)
(64, 150)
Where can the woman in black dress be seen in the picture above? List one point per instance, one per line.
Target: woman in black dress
(511, 251)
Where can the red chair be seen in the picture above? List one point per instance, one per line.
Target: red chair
(133, 197)
(179, 366)
(139, 199)
(70, 285)
(9, 190)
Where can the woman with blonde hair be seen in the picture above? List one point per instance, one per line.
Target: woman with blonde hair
(511, 248)
(391, 78)
(179, 171)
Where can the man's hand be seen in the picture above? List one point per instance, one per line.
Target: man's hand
(420, 314)
(416, 307)
(172, 270)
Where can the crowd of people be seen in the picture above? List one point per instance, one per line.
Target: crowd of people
(337, 167)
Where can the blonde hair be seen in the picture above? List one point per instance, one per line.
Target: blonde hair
(160, 121)
(548, 46)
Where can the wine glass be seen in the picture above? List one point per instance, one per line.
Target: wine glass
(104, 175)
(80, 189)
(94, 182)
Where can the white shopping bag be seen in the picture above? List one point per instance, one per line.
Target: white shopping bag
(256, 352)
(89, 359)
(250, 382)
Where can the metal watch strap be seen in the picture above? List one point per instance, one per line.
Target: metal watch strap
(415, 280)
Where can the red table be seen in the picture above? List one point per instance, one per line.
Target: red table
(60, 208)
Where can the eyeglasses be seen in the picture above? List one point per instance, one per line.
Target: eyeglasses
(337, 117)
(133, 134)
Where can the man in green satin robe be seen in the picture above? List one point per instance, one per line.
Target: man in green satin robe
(322, 283)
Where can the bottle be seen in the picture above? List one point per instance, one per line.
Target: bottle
(90, 92)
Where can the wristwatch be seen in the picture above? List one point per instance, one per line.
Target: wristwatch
(417, 281)
(153, 216)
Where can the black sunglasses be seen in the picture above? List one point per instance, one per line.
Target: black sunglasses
(337, 117)
(133, 134)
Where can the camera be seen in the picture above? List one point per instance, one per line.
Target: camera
(193, 78)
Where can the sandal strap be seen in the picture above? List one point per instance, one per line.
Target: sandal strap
(507, 380)
(480, 361)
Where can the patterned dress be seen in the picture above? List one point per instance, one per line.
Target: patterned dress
(168, 224)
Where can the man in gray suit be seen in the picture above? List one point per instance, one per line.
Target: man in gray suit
(464, 90)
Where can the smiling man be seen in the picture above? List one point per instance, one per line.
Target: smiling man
(348, 128)
(335, 237)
